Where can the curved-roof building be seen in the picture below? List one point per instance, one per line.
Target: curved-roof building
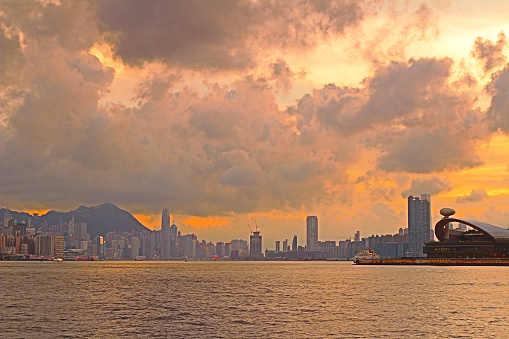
(495, 233)
(481, 241)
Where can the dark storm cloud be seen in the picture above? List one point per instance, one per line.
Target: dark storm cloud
(219, 34)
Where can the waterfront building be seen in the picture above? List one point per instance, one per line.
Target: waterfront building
(51, 245)
(278, 248)
(481, 241)
(173, 241)
(220, 249)
(135, 247)
(165, 245)
(83, 231)
(227, 249)
(255, 245)
(294, 243)
(311, 233)
(241, 246)
(189, 242)
(71, 226)
(419, 224)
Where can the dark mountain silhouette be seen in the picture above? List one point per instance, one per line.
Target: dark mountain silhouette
(100, 219)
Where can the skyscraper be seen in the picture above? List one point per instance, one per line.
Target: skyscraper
(173, 240)
(165, 219)
(294, 243)
(165, 234)
(255, 245)
(419, 224)
(311, 232)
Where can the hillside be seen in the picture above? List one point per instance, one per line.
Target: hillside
(100, 219)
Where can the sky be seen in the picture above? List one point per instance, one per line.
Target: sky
(237, 114)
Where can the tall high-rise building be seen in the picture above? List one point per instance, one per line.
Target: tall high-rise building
(83, 231)
(419, 224)
(173, 240)
(71, 226)
(165, 219)
(255, 245)
(135, 247)
(294, 243)
(165, 235)
(51, 245)
(278, 246)
(239, 245)
(311, 232)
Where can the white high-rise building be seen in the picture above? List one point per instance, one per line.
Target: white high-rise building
(419, 224)
(311, 232)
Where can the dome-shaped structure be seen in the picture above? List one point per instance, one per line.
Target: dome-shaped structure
(482, 241)
(496, 234)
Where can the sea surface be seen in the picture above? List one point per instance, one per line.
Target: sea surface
(111, 299)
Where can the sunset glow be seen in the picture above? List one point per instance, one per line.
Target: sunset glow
(256, 110)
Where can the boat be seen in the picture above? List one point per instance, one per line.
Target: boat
(58, 259)
(365, 255)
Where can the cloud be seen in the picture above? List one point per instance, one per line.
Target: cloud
(282, 74)
(404, 107)
(219, 35)
(433, 186)
(498, 112)
(490, 53)
(420, 151)
(204, 133)
(474, 196)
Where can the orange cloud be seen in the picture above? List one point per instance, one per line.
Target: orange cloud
(151, 221)
(207, 222)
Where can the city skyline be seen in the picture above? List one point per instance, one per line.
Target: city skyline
(168, 233)
(256, 111)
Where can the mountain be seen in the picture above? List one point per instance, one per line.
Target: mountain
(100, 219)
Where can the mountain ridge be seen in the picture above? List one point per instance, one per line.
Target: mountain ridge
(100, 219)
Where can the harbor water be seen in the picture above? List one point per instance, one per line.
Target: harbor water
(251, 300)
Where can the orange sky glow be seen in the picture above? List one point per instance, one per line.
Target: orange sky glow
(339, 112)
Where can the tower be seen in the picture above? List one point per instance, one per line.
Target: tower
(294, 243)
(165, 235)
(255, 245)
(173, 240)
(71, 226)
(311, 232)
(419, 224)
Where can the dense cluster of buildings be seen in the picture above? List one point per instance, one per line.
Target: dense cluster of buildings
(408, 242)
(70, 240)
